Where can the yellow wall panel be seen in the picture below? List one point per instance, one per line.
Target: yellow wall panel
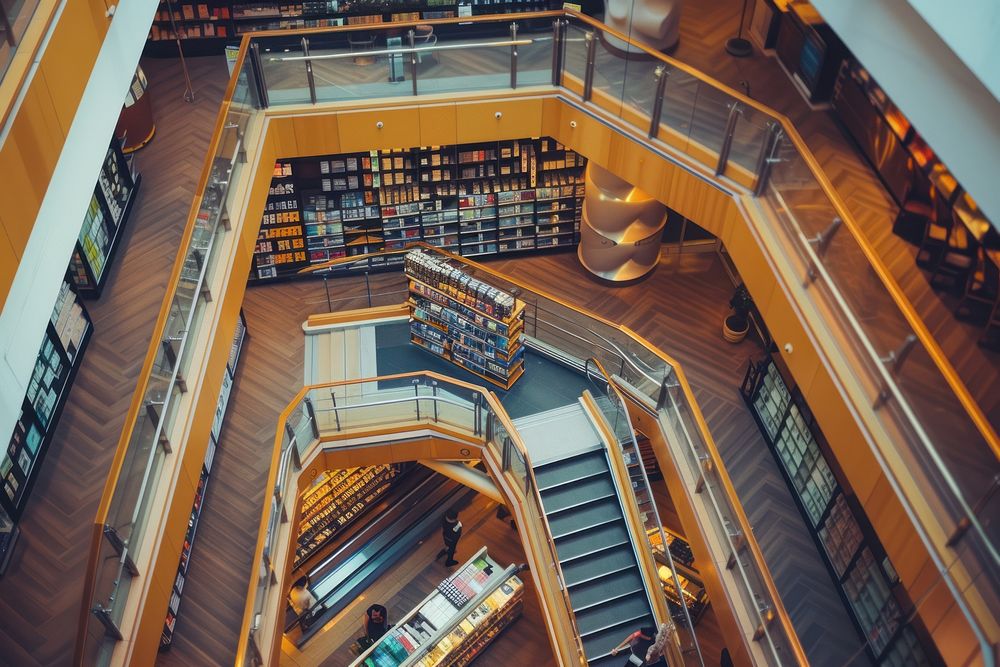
(551, 117)
(316, 134)
(69, 59)
(438, 125)
(19, 193)
(8, 266)
(753, 267)
(359, 130)
(784, 324)
(39, 134)
(477, 121)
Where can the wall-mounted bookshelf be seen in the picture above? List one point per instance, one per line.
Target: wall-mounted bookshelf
(692, 588)
(206, 27)
(109, 208)
(173, 606)
(476, 200)
(457, 621)
(58, 359)
(337, 499)
(465, 321)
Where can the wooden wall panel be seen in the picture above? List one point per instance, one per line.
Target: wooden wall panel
(70, 57)
(359, 132)
(316, 134)
(478, 122)
(438, 125)
(20, 196)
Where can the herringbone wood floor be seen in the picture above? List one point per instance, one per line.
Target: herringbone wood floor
(40, 593)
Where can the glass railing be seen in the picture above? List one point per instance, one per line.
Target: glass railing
(360, 406)
(938, 433)
(123, 517)
(917, 397)
(615, 413)
(14, 18)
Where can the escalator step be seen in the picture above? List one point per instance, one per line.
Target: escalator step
(612, 613)
(585, 490)
(574, 467)
(581, 543)
(600, 643)
(582, 518)
(588, 593)
(598, 564)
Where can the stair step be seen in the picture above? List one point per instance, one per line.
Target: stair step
(610, 614)
(589, 542)
(574, 467)
(597, 645)
(584, 594)
(579, 570)
(621, 567)
(585, 518)
(610, 595)
(566, 482)
(574, 495)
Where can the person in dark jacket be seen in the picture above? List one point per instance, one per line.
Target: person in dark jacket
(376, 622)
(451, 531)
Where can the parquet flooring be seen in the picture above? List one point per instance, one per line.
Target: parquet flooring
(41, 591)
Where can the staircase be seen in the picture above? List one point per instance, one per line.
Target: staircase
(595, 551)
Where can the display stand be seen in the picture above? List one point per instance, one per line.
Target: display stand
(469, 323)
(109, 209)
(452, 625)
(167, 636)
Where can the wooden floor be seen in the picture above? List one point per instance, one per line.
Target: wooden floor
(414, 577)
(679, 308)
(41, 591)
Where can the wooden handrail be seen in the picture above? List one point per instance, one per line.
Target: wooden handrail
(90, 575)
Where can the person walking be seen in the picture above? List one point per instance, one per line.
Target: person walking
(638, 644)
(451, 531)
(302, 602)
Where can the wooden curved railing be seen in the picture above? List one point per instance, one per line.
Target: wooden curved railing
(954, 383)
(538, 540)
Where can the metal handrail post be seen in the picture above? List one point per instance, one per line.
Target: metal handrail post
(413, 59)
(766, 158)
(661, 74)
(557, 46)
(309, 70)
(588, 79)
(727, 142)
(258, 75)
(513, 55)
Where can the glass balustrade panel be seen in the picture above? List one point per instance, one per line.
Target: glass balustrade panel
(287, 80)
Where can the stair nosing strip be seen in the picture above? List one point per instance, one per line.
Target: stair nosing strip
(543, 489)
(586, 528)
(590, 553)
(600, 602)
(614, 625)
(585, 502)
(602, 575)
(581, 455)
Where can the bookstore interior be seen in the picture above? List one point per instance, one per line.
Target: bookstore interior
(362, 586)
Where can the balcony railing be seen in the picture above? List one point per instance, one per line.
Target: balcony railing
(683, 115)
(322, 414)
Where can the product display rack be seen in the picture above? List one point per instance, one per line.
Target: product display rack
(60, 355)
(453, 624)
(109, 209)
(206, 27)
(692, 587)
(465, 321)
(335, 501)
(475, 200)
(167, 636)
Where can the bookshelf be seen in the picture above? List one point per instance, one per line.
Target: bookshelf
(59, 357)
(692, 588)
(177, 590)
(472, 324)
(476, 200)
(457, 621)
(106, 215)
(336, 499)
(207, 27)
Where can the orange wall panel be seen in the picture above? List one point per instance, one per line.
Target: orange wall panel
(70, 57)
(438, 125)
(20, 196)
(359, 130)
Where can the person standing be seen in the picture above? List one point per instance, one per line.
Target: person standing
(451, 531)
(376, 622)
(302, 602)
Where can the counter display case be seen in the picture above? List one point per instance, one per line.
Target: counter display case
(456, 622)
(104, 220)
(475, 200)
(58, 359)
(173, 606)
(465, 321)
